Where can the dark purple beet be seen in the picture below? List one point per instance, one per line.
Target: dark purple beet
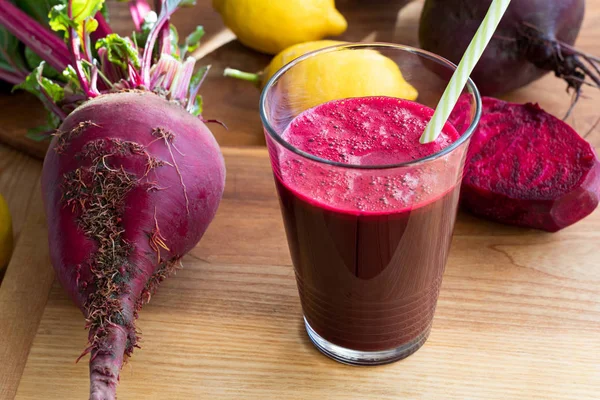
(526, 167)
(525, 46)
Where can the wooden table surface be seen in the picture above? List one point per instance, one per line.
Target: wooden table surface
(518, 316)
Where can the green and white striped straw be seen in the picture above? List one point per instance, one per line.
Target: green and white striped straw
(464, 69)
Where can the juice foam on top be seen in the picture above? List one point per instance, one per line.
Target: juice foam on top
(363, 131)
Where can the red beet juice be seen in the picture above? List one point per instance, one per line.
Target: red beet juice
(369, 246)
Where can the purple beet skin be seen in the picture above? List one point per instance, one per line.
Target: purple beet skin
(130, 183)
(526, 167)
(534, 37)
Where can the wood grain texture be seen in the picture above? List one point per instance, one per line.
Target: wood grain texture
(19, 112)
(23, 296)
(19, 175)
(518, 318)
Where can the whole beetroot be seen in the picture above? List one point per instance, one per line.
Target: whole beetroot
(133, 176)
(526, 167)
(534, 37)
(130, 184)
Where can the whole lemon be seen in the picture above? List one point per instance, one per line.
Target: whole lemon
(291, 53)
(334, 75)
(343, 74)
(6, 234)
(270, 26)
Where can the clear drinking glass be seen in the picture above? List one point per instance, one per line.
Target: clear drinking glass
(368, 281)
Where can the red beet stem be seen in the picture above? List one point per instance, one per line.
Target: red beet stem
(139, 9)
(11, 77)
(38, 38)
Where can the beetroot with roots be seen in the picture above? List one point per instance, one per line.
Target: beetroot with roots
(130, 184)
(132, 179)
(526, 167)
(534, 37)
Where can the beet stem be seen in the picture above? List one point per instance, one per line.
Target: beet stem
(11, 77)
(38, 38)
(195, 88)
(103, 29)
(138, 10)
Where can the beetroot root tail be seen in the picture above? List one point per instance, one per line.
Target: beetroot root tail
(105, 364)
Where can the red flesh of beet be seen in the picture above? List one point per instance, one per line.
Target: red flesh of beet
(527, 168)
(130, 183)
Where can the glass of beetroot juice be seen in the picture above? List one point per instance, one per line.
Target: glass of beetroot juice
(368, 211)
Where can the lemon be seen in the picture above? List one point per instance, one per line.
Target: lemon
(291, 53)
(270, 26)
(332, 76)
(6, 238)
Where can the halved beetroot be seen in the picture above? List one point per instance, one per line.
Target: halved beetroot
(526, 167)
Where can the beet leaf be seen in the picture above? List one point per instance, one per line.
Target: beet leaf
(139, 9)
(120, 51)
(192, 41)
(50, 94)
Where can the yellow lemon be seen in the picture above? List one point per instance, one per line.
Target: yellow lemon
(291, 53)
(6, 238)
(270, 26)
(331, 76)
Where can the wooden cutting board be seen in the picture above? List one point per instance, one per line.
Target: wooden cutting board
(518, 317)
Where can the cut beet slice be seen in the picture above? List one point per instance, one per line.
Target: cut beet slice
(526, 167)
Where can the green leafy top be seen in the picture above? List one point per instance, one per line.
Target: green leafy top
(153, 60)
(50, 94)
(120, 51)
(192, 41)
(82, 15)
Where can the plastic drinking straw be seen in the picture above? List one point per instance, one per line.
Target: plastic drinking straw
(465, 67)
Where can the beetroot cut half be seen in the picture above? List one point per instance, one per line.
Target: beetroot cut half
(526, 167)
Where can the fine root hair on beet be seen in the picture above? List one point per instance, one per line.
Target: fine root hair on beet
(165, 269)
(100, 207)
(64, 137)
(169, 140)
(157, 241)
